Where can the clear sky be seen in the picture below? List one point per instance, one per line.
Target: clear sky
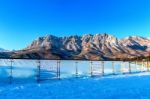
(22, 21)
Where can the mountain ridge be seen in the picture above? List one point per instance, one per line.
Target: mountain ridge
(86, 47)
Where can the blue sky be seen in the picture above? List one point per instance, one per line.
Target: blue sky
(22, 21)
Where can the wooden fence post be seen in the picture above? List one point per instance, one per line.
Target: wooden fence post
(76, 68)
(121, 67)
(102, 67)
(142, 65)
(129, 67)
(38, 70)
(136, 66)
(58, 69)
(91, 68)
(11, 67)
(147, 65)
(113, 68)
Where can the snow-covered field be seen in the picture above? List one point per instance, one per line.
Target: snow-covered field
(129, 86)
(24, 84)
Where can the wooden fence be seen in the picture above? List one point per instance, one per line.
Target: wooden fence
(96, 68)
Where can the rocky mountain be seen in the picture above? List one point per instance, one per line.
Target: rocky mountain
(86, 47)
(136, 45)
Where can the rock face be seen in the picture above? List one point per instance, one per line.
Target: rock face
(87, 47)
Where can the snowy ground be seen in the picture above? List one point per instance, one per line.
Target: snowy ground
(129, 86)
